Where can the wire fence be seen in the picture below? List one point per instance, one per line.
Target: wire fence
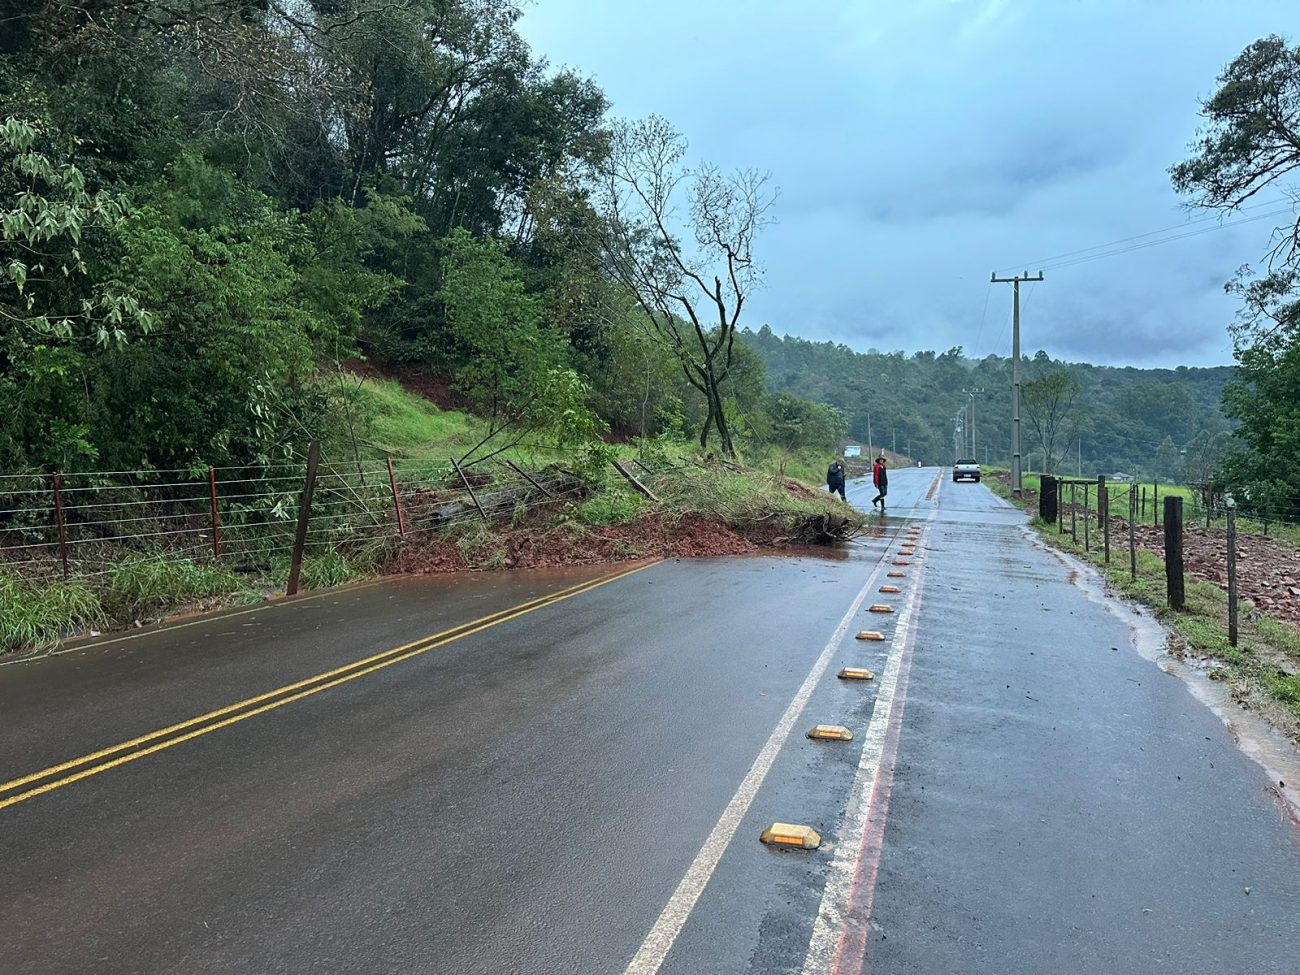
(1205, 504)
(1116, 520)
(84, 524)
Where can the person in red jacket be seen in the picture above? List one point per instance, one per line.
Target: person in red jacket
(880, 478)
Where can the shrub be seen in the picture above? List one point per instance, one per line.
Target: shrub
(148, 586)
(609, 508)
(36, 617)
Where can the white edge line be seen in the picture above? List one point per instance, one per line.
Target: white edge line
(654, 949)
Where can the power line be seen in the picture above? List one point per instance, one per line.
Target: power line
(1219, 219)
(988, 292)
(1164, 240)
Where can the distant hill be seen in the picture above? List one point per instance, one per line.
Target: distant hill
(910, 401)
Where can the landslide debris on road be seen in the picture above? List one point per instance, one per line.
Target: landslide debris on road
(705, 510)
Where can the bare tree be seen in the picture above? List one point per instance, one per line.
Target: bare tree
(690, 272)
(1049, 403)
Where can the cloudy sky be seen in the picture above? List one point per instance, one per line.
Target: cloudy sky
(920, 144)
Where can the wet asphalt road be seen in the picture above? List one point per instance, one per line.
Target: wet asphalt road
(528, 794)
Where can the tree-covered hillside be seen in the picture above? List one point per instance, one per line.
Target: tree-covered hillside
(1137, 421)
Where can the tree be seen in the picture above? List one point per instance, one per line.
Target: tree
(512, 366)
(690, 274)
(1251, 142)
(1252, 136)
(56, 310)
(1049, 403)
(797, 422)
(1167, 465)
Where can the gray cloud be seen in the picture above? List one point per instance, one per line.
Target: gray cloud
(920, 145)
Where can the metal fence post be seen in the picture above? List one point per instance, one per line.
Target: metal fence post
(1103, 510)
(1087, 517)
(1174, 553)
(397, 498)
(1232, 572)
(1074, 513)
(1132, 534)
(304, 514)
(216, 519)
(470, 488)
(59, 520)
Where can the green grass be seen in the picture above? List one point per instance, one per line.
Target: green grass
(143, 587)
(326, 570)
(408, 426)
(611, 507)
(743, 500)
(34, 616)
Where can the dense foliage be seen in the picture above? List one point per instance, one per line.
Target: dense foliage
(211, 206)
(1136, 421)
(1247, 150)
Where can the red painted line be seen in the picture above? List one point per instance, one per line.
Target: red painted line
(934, 485)
(851, 954)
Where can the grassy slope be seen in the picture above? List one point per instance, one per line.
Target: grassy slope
(418, 435)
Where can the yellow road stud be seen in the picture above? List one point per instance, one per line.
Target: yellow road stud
(896, 575)
(890, 589)
(870, 635)
(830, 732)
(856, 673)
(791, 836)
(901, 562)
(906, 551)
(881, 608)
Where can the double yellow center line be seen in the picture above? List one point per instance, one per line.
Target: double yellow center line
(56, 776)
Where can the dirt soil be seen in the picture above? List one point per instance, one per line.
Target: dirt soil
(1268, 571)
(435, 388)
(654, 536)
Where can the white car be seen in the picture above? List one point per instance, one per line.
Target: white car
(966, 470)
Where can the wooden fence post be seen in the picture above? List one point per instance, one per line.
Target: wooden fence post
(1047, 495)
(1232, 573)
(58, 519)
(1174, 552)
(1155, 503)
(216, 519)
(397, 498)
(304, 515)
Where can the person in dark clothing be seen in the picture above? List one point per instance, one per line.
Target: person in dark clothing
(880, 478)
(835, 479)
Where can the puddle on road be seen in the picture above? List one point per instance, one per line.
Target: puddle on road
(1257, 739)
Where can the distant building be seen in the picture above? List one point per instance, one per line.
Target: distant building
(1121, 478)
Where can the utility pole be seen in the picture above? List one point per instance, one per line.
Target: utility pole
(871, 451)
(1015, 372)
(972, 393)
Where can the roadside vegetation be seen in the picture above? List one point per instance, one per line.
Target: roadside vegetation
(1263, 670)
(705, 507)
